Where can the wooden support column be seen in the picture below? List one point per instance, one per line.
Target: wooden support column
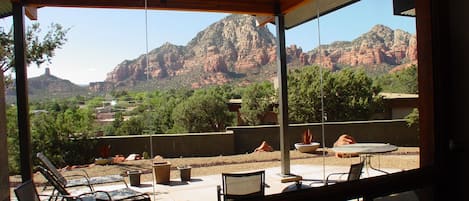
(283, 93)
(425, 83)
(22, 92)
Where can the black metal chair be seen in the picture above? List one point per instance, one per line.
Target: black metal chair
(118, 194)
(26, 191)
(353, 174)
(238, 186)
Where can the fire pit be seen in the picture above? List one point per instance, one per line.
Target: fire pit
(307, 148)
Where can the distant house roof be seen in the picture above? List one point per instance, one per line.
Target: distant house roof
(235, 101)
(400, 100)
(39, 111)
(398, 95)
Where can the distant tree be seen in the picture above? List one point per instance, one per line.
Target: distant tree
(95, 102)
(402, 81)
(109, 130)
(257, 99)
(74, 121)
(352, 96)
(347, 95)
(12, 139)
(116, 124)
(52, 133)
(157, 110)
(58, 132)
(224, 91)
(121, 95)
(413, 118)
(133, 126)
(202, 113)
(45, 133)
(38, 50)
(304, 94)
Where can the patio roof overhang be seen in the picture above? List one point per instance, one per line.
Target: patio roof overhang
(296, 12)
(257, 7)
(307, 11)
(404, 7)
(6, 9)
(264, 7)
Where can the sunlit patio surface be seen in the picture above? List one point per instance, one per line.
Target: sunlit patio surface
(204, 187)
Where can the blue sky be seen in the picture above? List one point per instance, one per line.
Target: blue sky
(100, 39)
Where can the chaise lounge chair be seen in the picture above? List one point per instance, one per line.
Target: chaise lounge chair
(84, 179)
(126, 193)
(27, 191)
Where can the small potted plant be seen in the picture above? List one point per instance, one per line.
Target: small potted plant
(161, 170)
(185, 172)
(307, 145)
(134, 177)
(104, 153)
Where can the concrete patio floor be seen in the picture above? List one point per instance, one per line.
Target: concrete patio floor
(204, 187)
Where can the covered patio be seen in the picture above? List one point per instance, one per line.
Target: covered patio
(204, 187)
(434, 101)
(284, 14)
(207, 171)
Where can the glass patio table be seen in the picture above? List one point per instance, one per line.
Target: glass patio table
(366, 150)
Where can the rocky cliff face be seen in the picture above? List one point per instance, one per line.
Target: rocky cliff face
(235, 45)
(162, 62)
(48, 83)
(48, 86)
(381, 45)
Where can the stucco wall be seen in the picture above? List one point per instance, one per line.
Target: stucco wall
(390, 131)
(244, 139)
(172, 145)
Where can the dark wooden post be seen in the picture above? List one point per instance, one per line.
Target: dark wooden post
(22, 92)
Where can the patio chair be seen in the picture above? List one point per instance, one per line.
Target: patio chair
(81, 179)
(353, 174)
(126, 193)
(26, 191)
(238, 186)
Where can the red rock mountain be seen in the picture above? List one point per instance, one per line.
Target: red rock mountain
(381, 45)
(235, 47)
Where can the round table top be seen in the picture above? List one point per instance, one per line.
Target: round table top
(365, 148)
(295, 187)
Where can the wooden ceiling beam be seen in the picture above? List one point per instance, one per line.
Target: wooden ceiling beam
(31, 12)
(255, 7)
(288, 6)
